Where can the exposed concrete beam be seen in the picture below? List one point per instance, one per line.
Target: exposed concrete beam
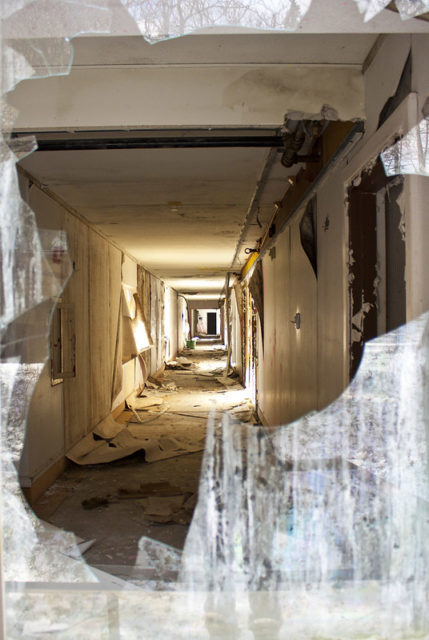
(167, 97)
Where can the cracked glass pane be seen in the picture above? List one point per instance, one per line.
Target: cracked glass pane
(412, 8)
(328, 515)
(335, 503)
(407, 8)
(370, 8)
(34, 269)
(410, 154)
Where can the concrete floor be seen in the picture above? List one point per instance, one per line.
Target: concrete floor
(131, 498)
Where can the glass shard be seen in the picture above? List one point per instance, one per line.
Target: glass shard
(335, 503)
(410, 154)
(407, 8)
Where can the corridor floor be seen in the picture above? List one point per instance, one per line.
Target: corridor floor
(118, 502)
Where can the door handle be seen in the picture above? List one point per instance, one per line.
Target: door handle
(297, 321)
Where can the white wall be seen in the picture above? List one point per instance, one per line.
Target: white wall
(294, 377)
(289, 374)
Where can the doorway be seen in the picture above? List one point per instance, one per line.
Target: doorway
(211, 323)
(377, 293)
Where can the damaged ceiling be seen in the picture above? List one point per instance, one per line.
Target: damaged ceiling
(177, 211)
(181, 211)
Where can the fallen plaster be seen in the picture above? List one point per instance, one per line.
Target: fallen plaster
(117, 503)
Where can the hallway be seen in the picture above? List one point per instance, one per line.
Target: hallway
(225, 229)
(115, 504)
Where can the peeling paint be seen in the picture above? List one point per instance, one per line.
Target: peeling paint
(350, 261)
(376, 285)
(401, 204)
(358, 320)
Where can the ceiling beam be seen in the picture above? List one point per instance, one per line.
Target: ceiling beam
(164, 142)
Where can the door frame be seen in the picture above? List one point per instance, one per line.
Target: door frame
(404, 118)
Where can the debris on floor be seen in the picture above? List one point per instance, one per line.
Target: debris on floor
(162, 510)
(132, 483)
(132, 438)
(140, 403)
(82, 547)
(149, 489)
(228, 382)
(95, 502)
(160, 557)
(50, 501)
(107, 428)
(170, 386)
(156, 381)
(181, 363)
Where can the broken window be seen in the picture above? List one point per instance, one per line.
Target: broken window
(158, 20)
(135, 331)
(347, 558)
(410, 154)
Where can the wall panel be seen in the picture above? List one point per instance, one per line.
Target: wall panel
(77, 409)
(302, 358)
(99, 327)
(275, 400)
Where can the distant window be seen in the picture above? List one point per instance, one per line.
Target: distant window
(135, 328)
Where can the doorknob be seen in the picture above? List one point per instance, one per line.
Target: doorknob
(297, 321)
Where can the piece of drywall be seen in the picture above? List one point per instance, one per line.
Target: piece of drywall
(182, 323)
(170, 322)
(143, 288)
(157, 323)
(129, 272)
